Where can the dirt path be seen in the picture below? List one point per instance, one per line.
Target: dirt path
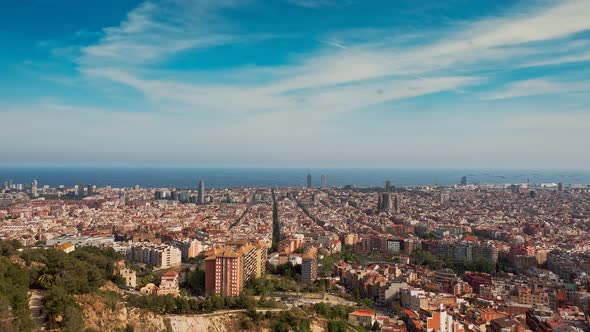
(37, 310)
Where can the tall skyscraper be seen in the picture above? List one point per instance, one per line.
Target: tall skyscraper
(90, 190)
(385, 202)
(34, 189)
(324, 181)
(560, 186)
(201, 192)
(81, 189)
(158, 194)
(308, 180)
(387, 186)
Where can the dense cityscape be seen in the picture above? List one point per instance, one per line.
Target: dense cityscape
(467, 257)
(295, 166)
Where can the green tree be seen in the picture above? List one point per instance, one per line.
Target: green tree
(14, 298)
(336, 326)
(73, 320)
(276, 233)
(46, 280)
(9, 247)
(376, 326)
(196, 280)
(58, 304)
(304, 325)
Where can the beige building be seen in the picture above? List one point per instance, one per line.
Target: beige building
(362, 317)
(129, 276)
(158, 255)
(414, 299)
(189, 248)
(149, 289)
(66, 247)
(528, 295)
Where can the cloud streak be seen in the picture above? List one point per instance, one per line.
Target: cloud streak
(317, 96)
(492, 41)
(152, 32)
(535, 87)
(315, 4)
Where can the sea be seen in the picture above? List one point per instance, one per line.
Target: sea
(186, 178)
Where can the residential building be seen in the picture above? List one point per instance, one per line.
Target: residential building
(189, 248)
(160, 256)
(169, 283)
(362, 317)
(129, 276)
(222, 273)
(309, 266)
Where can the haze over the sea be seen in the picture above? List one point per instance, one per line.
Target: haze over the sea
(175, 177)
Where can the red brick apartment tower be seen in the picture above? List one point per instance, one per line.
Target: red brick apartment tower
(223, 273)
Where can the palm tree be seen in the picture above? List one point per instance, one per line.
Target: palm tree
(45, 280)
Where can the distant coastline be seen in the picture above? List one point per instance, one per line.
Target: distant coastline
(183, 177)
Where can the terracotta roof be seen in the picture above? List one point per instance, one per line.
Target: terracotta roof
(244, 249)
(410, 313)
(226, 252)
(363, 312)
(470, 238)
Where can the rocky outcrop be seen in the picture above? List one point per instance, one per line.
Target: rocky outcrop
(100, 316)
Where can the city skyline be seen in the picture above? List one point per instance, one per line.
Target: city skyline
(296, 83)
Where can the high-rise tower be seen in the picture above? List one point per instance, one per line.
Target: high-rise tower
(201, 192)
(34, 189)
(81, 189)
(384, 202)
(308, 180)
(324, 181)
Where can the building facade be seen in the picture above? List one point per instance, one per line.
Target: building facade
(309, 266)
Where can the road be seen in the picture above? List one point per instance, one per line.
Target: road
(230, 311)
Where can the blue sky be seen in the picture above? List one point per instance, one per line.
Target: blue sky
(296, 83)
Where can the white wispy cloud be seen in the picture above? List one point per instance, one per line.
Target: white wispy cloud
(280, 97)
(339, 77)
(154, 31)
(535, 87)
(559, 60)
(272, 105)
(318, 3)
(334, 43)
